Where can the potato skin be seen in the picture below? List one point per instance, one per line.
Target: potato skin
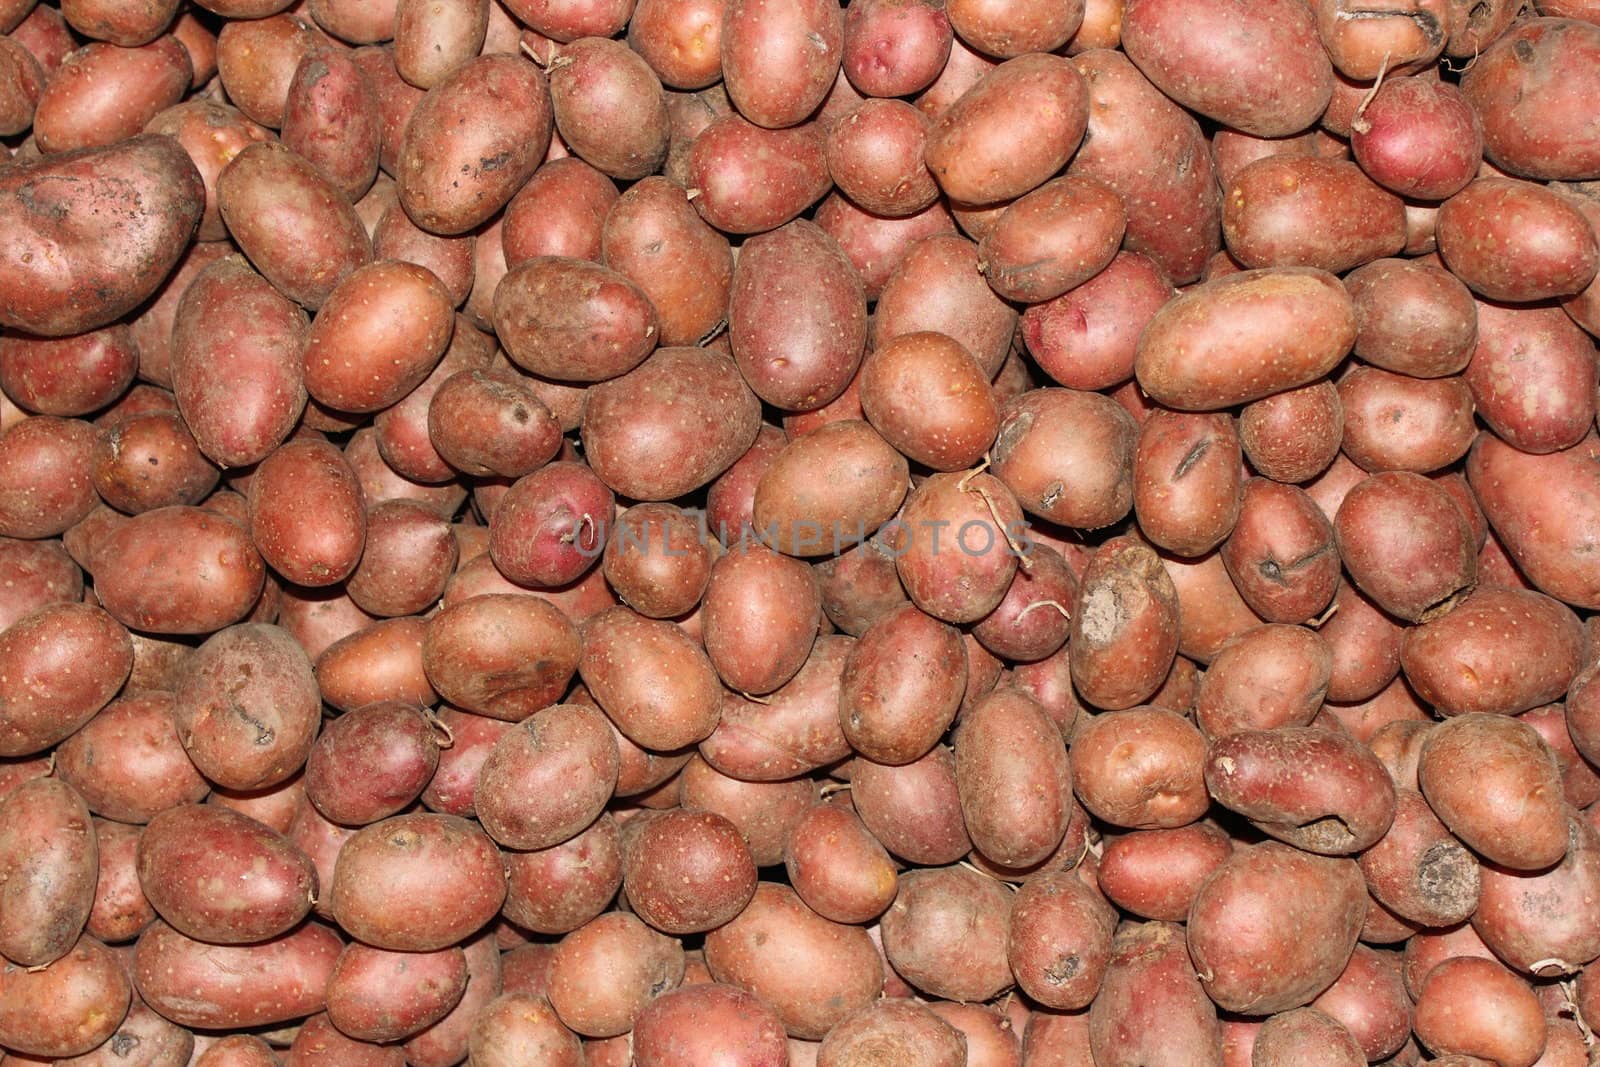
(1542, 923)
(1245, 336)
(378, 334)
(1014, 779)
(626, 662)
(653, 235)
(223, 877)
(1291, 211)
(1273, 927)
(778, 62)
(392, 875)
(380, 996)
(65, 1008)
(1053, 239)
(1406, 545)
(790, 732)
(1471, 764)
(1264, 678)
(1538, 408)
(1543, 67)
(548, 778)
(58, 667)
(503, 655)
(829, 489)
(49, 863)
(698, 1022)
(373, 761)
(1187, 470)
(776, 946)
(946, 933)
(231, 986)
(938, 287)
(124, 212)
(499, 148)
(307, 515)
(1194, 52)
(103, 94)
(1505, 1021)
(752, 179)
(902, 1030)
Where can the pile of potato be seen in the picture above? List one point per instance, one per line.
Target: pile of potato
(733, 533)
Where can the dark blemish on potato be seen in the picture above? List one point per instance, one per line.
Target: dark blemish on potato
(1190, 458)
(489, 164)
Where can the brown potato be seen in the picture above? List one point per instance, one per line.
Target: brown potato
(232, 986)
(938, 286)
(65, 1008)
(1124, 626)
(547, 779)
(929, 398)
(754, 644)
(1151, 1005)
(1142, 768)
(1469, 763)
(58, 667)
(1014, 780)
(503, 655)
(392, 875)
(653, 235)
(500, 147)
(49, 862)
(797, 347)
(946, 933)
(625, 661)
(971, 147)
(1273, 927)
(686, 871)
(432, 40)
(752, 179)
(792, 731)
(1178, 367)
(1067, 455)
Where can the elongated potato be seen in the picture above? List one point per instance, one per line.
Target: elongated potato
(49, 862)
(233, 986)
(1014, 779)
(1151, 1003)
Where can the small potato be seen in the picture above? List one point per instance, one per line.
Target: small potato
(536, 532)
(902, 1030)
(104, 94)
(1412, 317)
(1187, 473)
(372, 762)
(1516, 241)
(1304, 1034)
(58, 667)
(296, 228)
(775, 926)
(893, 49)
(49, 863)
(1309, 329)
(379, 333)
(1539, 408)
(365, 22)
(1293, 436)
(1406, 545)
(1398, 422)
(1265, 678)
(798, 347)
(752, 179)
(875, 244)
(1053, 239)
(1059, 940)
(604, 974)
(1151, 1003)
(1540, 509)
(37, 574)
(1281, 96)
(682, 42)
(393, 875)
(1470, 764)
(698, 1022)
(1143, 768)
(241, 392)
(609, 107)
(516, 1028)
(558, 889)
(875, 156)
(447, 1041)
(47, 473)
(409, 556)
(1155, 873)
(946, 933)
(499, 147)
(116, 220)
(829, 489)
(1124, 626)
(1273, 927)
(1471, 1006)
(1211, 609)
(939, 287)
(653, 235)
(374, 995)
(127, 762)
(657, 560)
(247, 709)
(859, 586)
(792, 731)
(1014, 780)
(837, 867)
(317, 1041)
(306, 513)
(651, 679)
(1067, 455)
(779, 62)
(671, 425)
(1281, 555)
(196, 984)
(1033, 621)
(65, 1008)
(151, 461)
(929, 398)
(1418, 138)
(1288, 211)
(686, 872)
(548, 778)
(374, 663)
(431, 40)
(1318, 789)
(501, 655)
(450, 259)
(257, 58)
(219, 876)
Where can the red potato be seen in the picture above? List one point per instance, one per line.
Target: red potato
(929, 398)
(604, 974)
(1406, 545)
(1267, 213)
(1468, 762)
(331, 118)
(1397, 422)
(1014, 779)
(686, 872)
(1412, 317)
(1281, 555)
(432, 40)
(65, 1008)
(754, 647)
(58, 667)
(36, 574)
(1124, 626)
(1469, 1006)
(939, 287)
(1141, 768)
(968, 577)
(1150, 1003)
(1543, 408)
(750, 179)
(1266, 678)
(1155, 873)
(559, 889)
(875, 245)
(72, 376)
(1034, 620)
(946, 933)
(624, 658)
(1067, 455)
(503, 655)
(234, 986)
(653, 235)
(1516, 241)
(837, 867)
(1544, 64)
(1419, 138)
(380, 996)
(914, 809)
(792, 731)
(902, 686)
(779, 62)
(609, 107)
(1543, 923)
(372, 762)
(104, 94)
(48, 466)
(682, 42)
(696, 1023)
(1053, 239)
(895, 49)
(1187, 473)
(49, 863)
(518, 799)
(829, 489)
(902, 1029)
(377, 335)
(1086, 338)
(299, 479)
(1011, 30)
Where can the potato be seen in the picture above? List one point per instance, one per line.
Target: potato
(875, 245)
(105, 93)
(1412, 318)
(1273, 927)
(48, 472)
(653, 236)
(1397, 422)
(1293, 1036)
(898, 1030)
(306, 513)
(929, 398)
(1053, 239)
(374, 995)
(241, 392)
(557, 890)
(1155, 873)
(686, 872)
(1543, 408)
(376, 663)
(450, 259)
(1164, 788)
(1014, 780)
(1503, 1021)
(223, 877)
(446, 1041)
(1543, 923)
(755, 645)
(893, 49)
(1129, 1025)
(829, 489)
(380, 332)
(1552, 494)
(837, 867)
(602, 975)
(1337, 800)
(1179, 369)
(49, 861)
(1286, 211)
(358, 23)
(158, 1042)
(1060, 940)
(273, 806)
(151, 461)
(501, 655)
(64, 1008)
(58, 667)
(779, 63)
(1267, 677)
(247, 707)
(1419, 138)
(69, 376)
(1281, 97)
(318, 1041)
(792, 731)
(693, 1024)
(500, 150)
(1544, 68)
(609, 107)
(122, 213)
(798, 348)
(752, 179)
(875, 157)
(332, 120)
(946, 933)
(1406, 545)
(1212, 611)
(257, 59)
(680, 41)
(372, 762)
(37, 574)
(624, 660)
(431, 41)
(967, 580)
(409, 557)
(902, 686)
(1515, 241)
(547, 779)
(776, 926)
(391, 876)
(1082, 477)
(1293, 436)
(1124, 626)
(670, 426)
(227, 986)
(939, 287)
(1469, 762)
(1281, 555)
(1186, 476)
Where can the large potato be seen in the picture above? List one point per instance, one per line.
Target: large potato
(1151, 1008)
(1014, 779)
(91, 234)
(1534, 89)
(1290, 211)
(653, 235)
(232, 986)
